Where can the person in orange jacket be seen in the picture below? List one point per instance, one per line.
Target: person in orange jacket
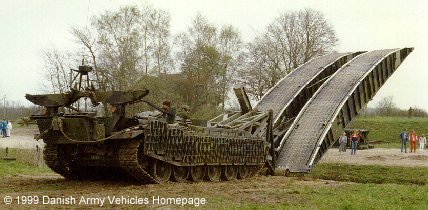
(413, 137)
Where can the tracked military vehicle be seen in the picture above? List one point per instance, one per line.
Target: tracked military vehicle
(289, 130)
(150, 149)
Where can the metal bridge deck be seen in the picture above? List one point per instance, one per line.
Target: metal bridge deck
(333, 106)
(280, 96)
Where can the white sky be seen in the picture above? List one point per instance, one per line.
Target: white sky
(29, 27)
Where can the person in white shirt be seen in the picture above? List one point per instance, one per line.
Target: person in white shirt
(8, 128)
(422, 142)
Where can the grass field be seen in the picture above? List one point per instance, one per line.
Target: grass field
(327, 187)
(386, 130)
(371, 174)
(14, 168)
(31, 157)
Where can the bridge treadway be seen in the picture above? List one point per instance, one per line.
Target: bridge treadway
(301, 143)
(286, 90)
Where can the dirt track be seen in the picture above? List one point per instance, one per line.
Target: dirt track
(21, 138)
(377, 156)
(257, 191)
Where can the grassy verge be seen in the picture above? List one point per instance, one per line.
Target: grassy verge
(347, 196)
(370, 174)
(31, 157)
(13, 168)
(386, 130)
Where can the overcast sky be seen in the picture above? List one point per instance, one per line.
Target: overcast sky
(29, 27)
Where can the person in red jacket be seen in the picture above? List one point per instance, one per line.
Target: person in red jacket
(413, 137)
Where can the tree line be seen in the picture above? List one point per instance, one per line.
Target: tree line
(133, 47)
(387, 107)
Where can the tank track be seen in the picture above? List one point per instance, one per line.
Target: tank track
(57, 160)
(128, 160)
(51, 157)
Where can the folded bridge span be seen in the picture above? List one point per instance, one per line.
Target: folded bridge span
(311, 105)
(333, 106)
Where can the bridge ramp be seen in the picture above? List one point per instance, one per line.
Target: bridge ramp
(334, 106)
(289, 95)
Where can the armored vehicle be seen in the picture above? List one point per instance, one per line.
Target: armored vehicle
(289, 130)
(150, 149)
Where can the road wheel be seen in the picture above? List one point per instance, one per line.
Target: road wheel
(229, 173)
(213, 173)
(180, 173)
(244, 172)
(161, 171)
(197, 173)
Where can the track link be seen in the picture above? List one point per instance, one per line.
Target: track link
(51, 157)
(128, 160)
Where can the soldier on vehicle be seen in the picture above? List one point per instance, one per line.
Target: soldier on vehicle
(184, 114)
(167, 112)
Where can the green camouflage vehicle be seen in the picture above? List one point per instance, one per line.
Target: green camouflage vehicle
(150, 149)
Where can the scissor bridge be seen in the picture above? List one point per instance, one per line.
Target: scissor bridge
(290, 94)
(310, 106)
(334, 106)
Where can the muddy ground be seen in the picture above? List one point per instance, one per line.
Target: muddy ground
(257, 190)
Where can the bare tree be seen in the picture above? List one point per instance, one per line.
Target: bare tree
(386, 106)
(156, 47)
(57, 67)
(289, 41)
(261, 68)
(230, 47)
(119, 40)
(125, 47)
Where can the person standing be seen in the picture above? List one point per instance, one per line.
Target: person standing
(4, 127)
(404, 137)
(1, 128)
(342, 142)
(355, 138)
(413, 137)
(9, 128)
(422, 142)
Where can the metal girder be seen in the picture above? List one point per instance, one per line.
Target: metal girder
(334, 105)
(244, 101)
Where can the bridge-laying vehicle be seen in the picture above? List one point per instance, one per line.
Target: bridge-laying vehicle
(151, 149)
(290, 128)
